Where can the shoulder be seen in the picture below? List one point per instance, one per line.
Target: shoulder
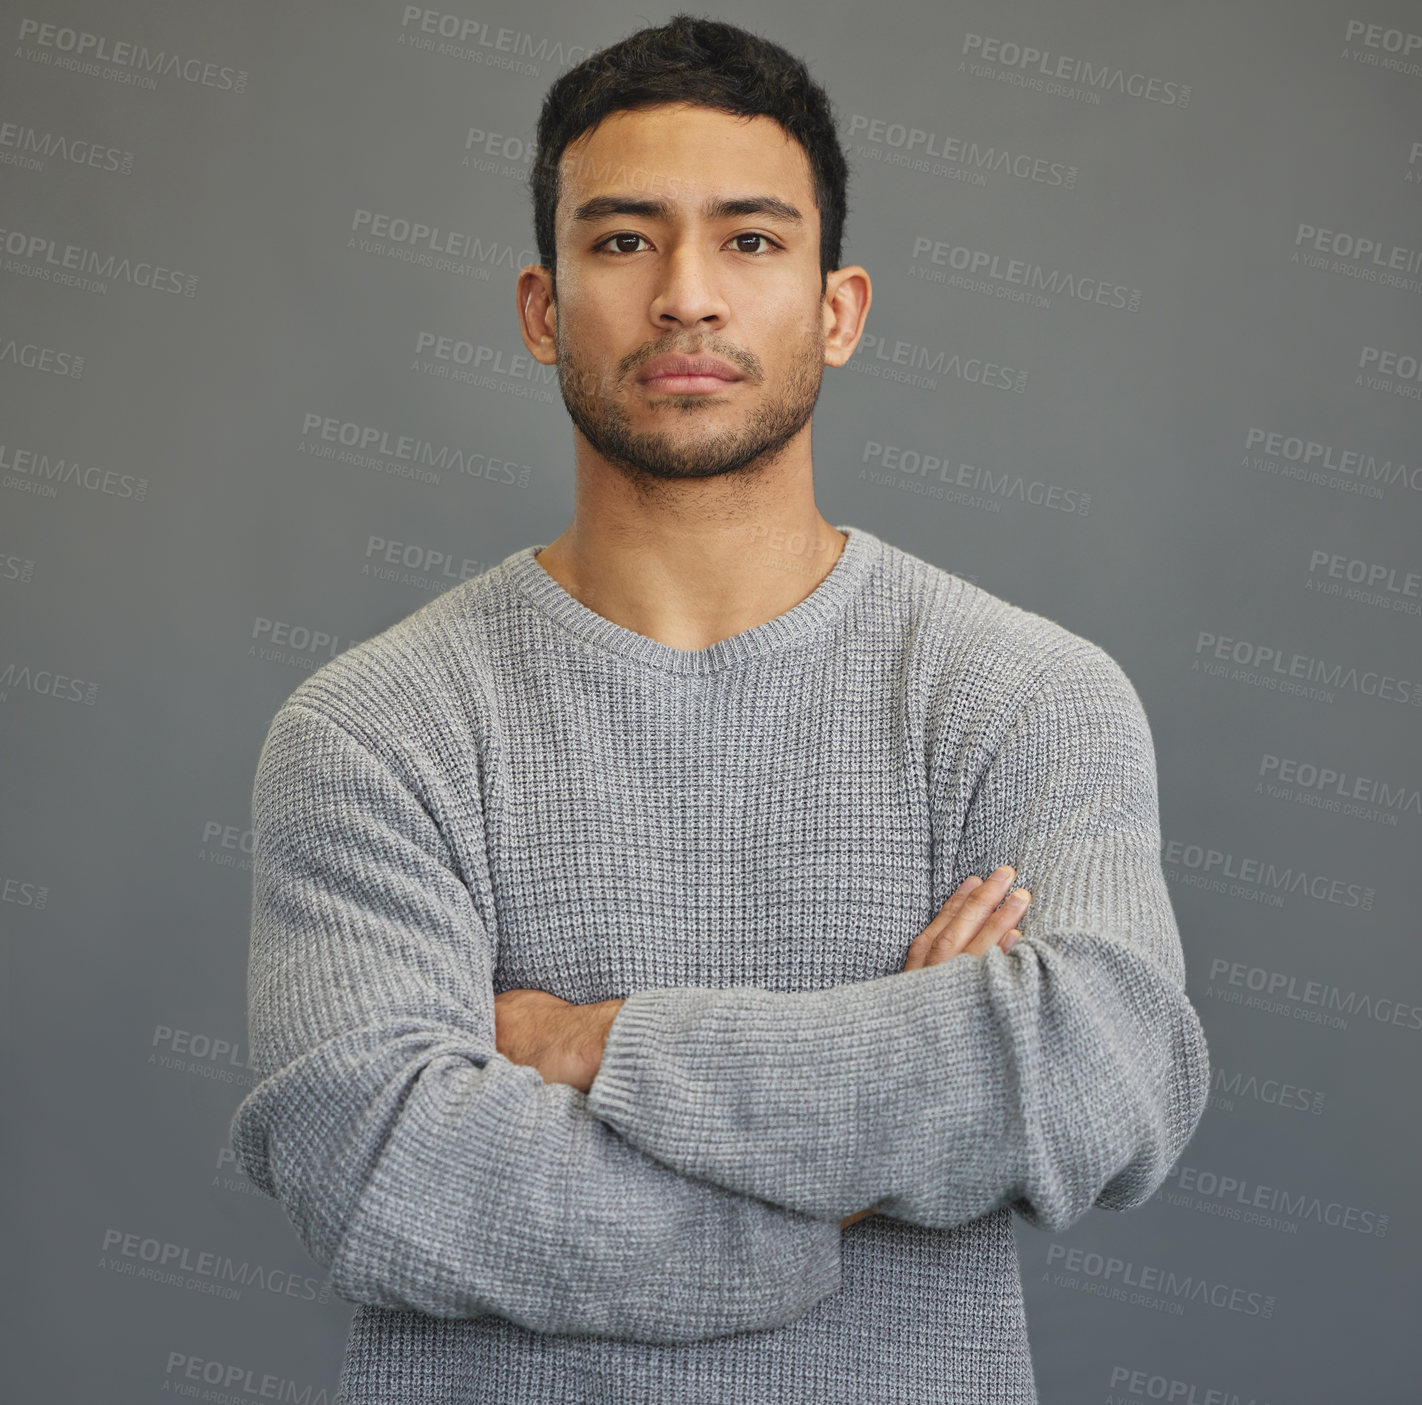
(407, 687)
(970, 645)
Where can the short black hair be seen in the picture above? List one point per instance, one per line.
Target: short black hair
(708, 63)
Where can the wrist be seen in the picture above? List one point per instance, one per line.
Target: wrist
(607, 1013)
(599, 1025)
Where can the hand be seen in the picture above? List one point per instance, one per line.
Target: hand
(563, 1041)
(969, 923)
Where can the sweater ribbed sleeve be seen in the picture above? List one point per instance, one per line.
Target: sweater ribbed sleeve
(423, 1168)
(1065, 1074)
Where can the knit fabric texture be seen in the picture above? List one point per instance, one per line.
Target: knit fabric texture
(506, 789)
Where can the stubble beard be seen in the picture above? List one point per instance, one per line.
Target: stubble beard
(648, 457)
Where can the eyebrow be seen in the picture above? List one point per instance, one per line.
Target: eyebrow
(601, 206)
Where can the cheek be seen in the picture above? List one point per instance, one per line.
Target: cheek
(793, 343)
(600, 328)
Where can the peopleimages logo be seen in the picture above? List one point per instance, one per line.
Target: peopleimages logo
(1044, 70)
(1381, 47)
(29, 149)
(401, 455)
(16, 568)
(1148, 1278)
(38, 466)
(293, 645)
(979, 270)
(457, 36)
(1372, 259)
(999, 487)
(64, 47)
(1327, 788)
(51, 359)
(1228, 1085)
(1238, 1198)
(921, 366)
(429, 246)
(1266, 665)
(1391, 371)
(39, 256)
(1314, 1000)
(410, 563)
(1141, 1385)
(1313, 461)
(496, 154)
(201, 1270)
(23, 893)
(488, 367)
(917, 148)
(1216, 865)
(203, 1379)
(183, 1051)
(227, 846)
(1368, 582)
(45, 683)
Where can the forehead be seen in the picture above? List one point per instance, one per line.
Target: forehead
(683, 154)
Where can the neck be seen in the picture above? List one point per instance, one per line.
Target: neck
(693, 561)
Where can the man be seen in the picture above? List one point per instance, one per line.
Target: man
(645, 1007)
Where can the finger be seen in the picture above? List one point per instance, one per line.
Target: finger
(977, 907)
(991, 927)
(1000, 923)
(945, 914)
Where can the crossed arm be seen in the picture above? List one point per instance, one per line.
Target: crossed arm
(700, 1185)
(426, 1171)
(564, 1041)
(1066, 1074)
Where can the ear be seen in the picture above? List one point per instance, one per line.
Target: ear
(537, 314)
(848, 294)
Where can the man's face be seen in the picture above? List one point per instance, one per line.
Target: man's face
(636, 284)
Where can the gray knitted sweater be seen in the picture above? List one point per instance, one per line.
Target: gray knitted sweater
(506, 789)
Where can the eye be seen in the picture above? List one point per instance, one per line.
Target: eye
(603, 243)
(735, 239)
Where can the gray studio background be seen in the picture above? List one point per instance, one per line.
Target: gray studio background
(1143, 357)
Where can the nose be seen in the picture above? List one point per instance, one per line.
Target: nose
(686, 291)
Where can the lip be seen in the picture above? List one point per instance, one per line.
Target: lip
(684, 373)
